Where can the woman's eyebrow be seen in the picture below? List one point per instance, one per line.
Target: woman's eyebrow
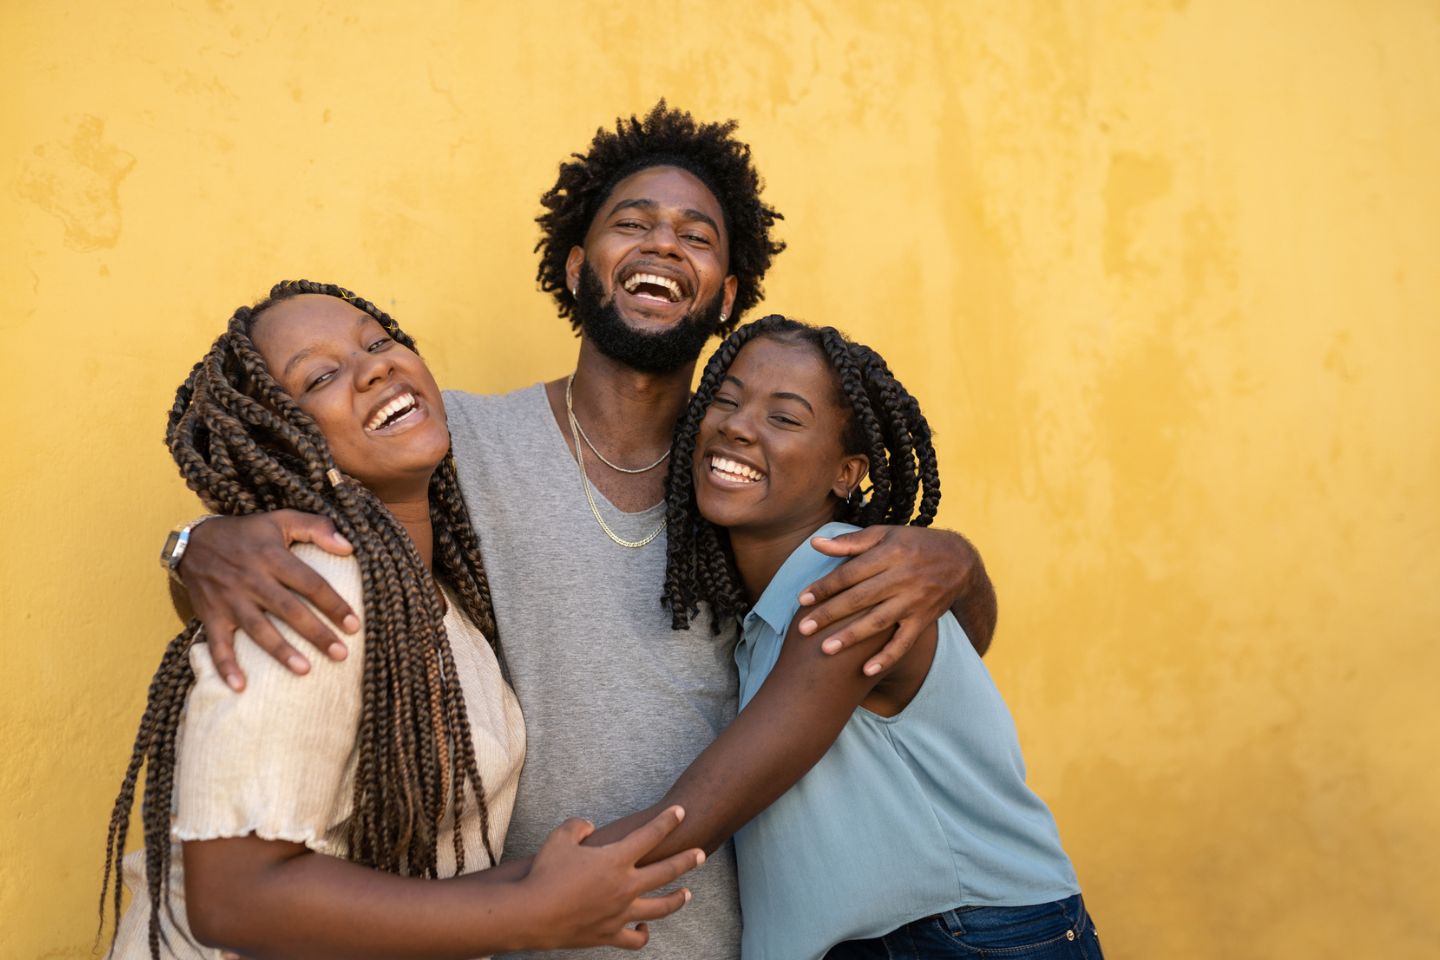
(296, 359)
(777, 395)
(360, 321)
(782, 395)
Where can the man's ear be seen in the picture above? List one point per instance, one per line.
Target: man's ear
(729, 288)
(573, 263)
(850, 475)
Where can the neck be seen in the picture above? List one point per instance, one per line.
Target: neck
(634, 412)
(759, 554)
(413, 512)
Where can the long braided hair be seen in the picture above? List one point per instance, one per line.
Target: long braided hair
(245, 446)
(884, 423)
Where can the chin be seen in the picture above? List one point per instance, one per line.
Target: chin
(722, 514)
(644, 322)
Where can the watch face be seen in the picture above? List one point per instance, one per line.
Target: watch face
(167, 554)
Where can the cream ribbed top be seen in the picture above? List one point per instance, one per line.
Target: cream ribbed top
(278, 760)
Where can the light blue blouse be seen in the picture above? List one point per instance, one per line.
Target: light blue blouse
(904, 817)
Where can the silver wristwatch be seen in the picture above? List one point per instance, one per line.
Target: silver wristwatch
(176, 543)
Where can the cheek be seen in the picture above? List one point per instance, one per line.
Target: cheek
(336, 421)
(706, 433)
(712, 272)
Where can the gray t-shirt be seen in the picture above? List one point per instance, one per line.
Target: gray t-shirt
(616, 703)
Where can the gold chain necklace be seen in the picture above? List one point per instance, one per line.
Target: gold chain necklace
(575, 434)
(569, 408)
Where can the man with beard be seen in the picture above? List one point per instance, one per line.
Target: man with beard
(653, 240)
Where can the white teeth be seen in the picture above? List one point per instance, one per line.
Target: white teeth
(636, 279)
(731, 470)
(398, 403)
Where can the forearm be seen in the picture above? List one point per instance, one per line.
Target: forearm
(977, 609)
(782, 733)
(713, 812)
(314, 906)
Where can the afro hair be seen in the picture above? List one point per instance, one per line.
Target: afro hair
(665, 137)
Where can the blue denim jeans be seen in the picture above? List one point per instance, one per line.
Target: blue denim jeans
(1048, 931)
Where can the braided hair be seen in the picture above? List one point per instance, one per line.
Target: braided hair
(884, 422)
(244, 445)
(670, 138)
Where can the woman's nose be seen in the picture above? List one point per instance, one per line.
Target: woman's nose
(738, 427)
(373, 368)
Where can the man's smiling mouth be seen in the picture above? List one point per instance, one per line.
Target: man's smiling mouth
(652, 286)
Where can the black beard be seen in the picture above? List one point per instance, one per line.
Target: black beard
(663, 352)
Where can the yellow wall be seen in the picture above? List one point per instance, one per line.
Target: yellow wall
(1164, 274)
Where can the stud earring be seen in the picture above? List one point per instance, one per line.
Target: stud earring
(724, 317)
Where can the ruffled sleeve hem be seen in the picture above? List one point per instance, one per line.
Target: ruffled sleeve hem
(323, 843)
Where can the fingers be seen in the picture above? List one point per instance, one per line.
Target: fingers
(302, 579)
(654, 908)
(640, 841)
(865, 595)
(221, 644)
(850, 544)
(269, 588)
(876, 621)
(239, 569)
(898, 646)
(309, 528)
(837, 581)
(571, 832)
(282, 598)
(254, 596)
(631, 938)
(666, 871)
(863, 565)
(259, 628)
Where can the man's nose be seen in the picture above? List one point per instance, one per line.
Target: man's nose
(662, 240)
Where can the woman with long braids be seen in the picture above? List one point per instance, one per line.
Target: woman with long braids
(314, 817)
(879, 816)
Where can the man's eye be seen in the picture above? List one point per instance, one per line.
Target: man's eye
(631, 225)
(698, 238)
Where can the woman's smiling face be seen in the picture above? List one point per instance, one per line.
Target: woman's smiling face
(768, 456)
(373, 398)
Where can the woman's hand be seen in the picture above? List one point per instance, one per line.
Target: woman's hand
(589, 896)
(249, 896)
(238, 569)
(907, 577)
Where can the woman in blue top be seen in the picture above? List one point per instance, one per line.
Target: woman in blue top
(890, 812)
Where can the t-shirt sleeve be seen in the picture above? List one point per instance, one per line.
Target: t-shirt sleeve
(276, 760)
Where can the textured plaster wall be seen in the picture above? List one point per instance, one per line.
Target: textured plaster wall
(1166, 276)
